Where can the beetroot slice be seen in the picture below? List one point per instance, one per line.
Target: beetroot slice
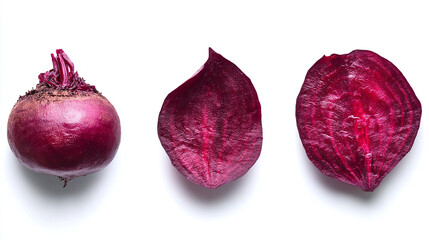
(357, 117)
(210, 126)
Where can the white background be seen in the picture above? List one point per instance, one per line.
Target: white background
(136, 52)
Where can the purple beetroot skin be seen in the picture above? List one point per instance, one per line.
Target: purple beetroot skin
(64, 127)
(210, 126)
(357, 117)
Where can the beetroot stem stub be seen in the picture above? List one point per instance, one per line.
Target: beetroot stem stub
(210, 126)
(357, 117)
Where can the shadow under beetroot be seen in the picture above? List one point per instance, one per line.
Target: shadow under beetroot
(335, 186)
(206, 195)
(53, 186)
(338, 187)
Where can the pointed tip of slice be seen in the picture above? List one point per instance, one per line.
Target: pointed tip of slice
(212, 52)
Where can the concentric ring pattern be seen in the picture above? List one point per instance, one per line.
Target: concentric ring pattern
(357, 117)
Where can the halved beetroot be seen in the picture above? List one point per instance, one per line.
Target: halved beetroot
(357, 117)
(210, 126)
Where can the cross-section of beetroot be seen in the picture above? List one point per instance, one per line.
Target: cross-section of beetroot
(210, 126)
(357, 117)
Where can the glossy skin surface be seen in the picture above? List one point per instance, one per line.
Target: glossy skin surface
(210, 126)
(67, 136)
(357, 117)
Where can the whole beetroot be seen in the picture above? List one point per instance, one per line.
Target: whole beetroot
(64, 127)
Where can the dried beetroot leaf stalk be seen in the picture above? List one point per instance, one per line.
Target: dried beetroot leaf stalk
(357, 117)
(210, 126)
(63, 76)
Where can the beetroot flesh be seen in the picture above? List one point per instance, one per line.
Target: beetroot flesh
(210, 126)
(357, 117)
(64, 127)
